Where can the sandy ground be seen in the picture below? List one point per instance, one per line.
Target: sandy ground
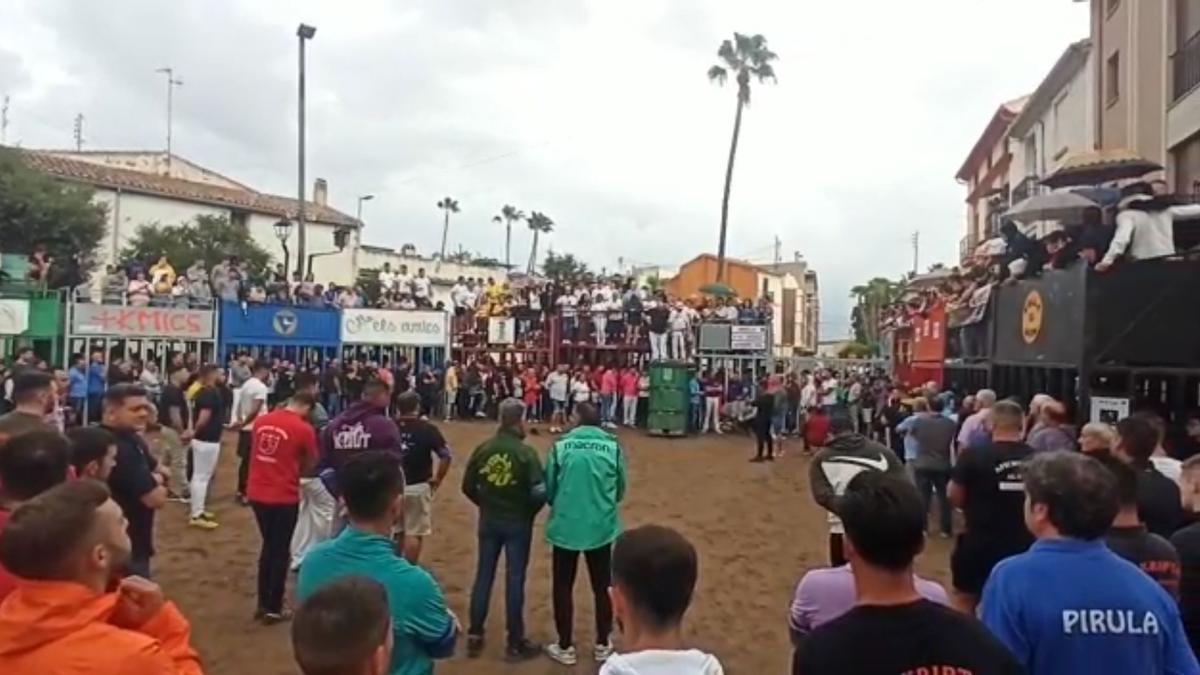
(754, 525)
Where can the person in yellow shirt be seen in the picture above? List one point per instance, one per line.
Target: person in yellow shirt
(162, 276)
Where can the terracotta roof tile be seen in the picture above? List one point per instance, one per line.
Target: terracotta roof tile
(166, 186)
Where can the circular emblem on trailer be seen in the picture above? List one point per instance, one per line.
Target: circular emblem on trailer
(285, 322)
(1031, 317)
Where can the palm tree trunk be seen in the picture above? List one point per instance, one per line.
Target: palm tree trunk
(533, 253)
(445, 234)
(507, 243)
(737, 127)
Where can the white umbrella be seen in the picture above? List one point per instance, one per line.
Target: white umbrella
(1061, 205)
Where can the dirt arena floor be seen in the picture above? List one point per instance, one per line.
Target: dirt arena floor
(754, 525)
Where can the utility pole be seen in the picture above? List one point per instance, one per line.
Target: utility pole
(778, 250)
(304, 32)
(4, 121)
(916, 244)
(79, 132)
(171, 84)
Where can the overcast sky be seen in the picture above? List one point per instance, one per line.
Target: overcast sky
(595, 112)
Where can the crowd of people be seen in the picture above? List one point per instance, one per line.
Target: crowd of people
(1076, 551)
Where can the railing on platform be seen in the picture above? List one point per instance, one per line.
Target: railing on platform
(1185, 64)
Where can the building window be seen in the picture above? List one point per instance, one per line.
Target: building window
(1112, 79)
(1111, 6)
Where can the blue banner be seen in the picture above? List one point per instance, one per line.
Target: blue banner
(278, 325)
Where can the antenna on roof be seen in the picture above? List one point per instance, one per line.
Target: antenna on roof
(4, 120)
(171, 84)
(79, 132)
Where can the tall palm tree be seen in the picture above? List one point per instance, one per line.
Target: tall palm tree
(746, 56)
(539, 223)
(508, 215)
(448, 206)
(871, 300)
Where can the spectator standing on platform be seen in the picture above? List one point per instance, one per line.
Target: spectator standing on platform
(681, 323)
(659, 324)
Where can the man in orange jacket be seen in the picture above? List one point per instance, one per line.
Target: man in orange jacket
(66, 546)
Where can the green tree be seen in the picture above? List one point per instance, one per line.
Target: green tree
(539, 223)
(855, 350)
(211, 239)
(870, 300)
(508, 215)
(448, 206)
(564, 268)
(37, 209)
(746, 56)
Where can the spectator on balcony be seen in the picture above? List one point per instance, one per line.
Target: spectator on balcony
(256, 295)
(726, 310)
(1060, 249)
(200, 294)
(404, 281)
(39, 264)
(387, 280)
(139, 290)
(162, 276)
(113, 286)
(599, 313)
(1145, 225)
(422, 288)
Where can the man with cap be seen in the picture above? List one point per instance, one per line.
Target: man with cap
(847, 455)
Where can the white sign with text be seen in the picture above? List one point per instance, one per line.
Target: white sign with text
(14, 317)
(394, 327)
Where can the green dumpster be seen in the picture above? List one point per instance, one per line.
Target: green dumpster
(668, 405)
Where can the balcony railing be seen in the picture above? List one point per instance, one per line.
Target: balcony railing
(1186, 65)
(1028, 187)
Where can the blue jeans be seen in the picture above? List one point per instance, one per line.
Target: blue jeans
(514, 538)
(608, 406)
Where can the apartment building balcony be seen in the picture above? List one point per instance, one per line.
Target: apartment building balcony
(1185, 66)
(1028, 187)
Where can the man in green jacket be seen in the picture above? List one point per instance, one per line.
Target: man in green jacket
(504, 479)
(585, 482)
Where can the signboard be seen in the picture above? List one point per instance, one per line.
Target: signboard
(1041, 321)
(929, 335)
(160, 322)
(714, 337)
(14, 317)
(501, 330)
(267, 324)
(748, 338)
(394, 327)
(1109, 409)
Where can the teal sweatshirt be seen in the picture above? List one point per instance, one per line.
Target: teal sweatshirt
(585, 482)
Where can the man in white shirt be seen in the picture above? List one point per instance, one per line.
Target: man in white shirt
(403, 280)
(681, 323)
(1145, 232)
(387, 279)
(251, 404)
(566, 309)
(600, 313)
(829, 389)
(421, 286)
(558, 384)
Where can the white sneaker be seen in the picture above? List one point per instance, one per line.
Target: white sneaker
(566, 656)
(601, 652)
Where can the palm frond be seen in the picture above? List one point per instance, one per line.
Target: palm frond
(764, 72)
(745, 45)
(718, 74)
(727, 53)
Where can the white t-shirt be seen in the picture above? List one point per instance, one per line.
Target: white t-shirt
(558, 383)
(404, 283)
(808, 395)
(662, 662)
(680, 319)
(566, 304)
(829, 392)
(458, 295)
(1168, 466)
(253, 390)
(387, 279)
(581, 391)
(420, 286)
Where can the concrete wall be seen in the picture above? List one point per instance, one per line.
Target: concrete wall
(1136, 118)
(127, 211)
(338, 268)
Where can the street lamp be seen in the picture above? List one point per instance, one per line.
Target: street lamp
(361, 199)
(283, 230)
(303, 32)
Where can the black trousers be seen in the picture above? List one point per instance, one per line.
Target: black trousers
(562, 583)
(243, 453)
(275, 523)
(837, 553)
(763, 438)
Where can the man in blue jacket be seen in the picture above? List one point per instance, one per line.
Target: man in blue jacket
(1069, 604)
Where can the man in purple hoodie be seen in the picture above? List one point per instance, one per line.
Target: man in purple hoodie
(363, 426)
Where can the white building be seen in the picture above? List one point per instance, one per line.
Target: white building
(1057, 122)
(146, 188)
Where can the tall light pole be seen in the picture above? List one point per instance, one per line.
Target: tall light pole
(361, 199)
(171, 84)
(303, 32)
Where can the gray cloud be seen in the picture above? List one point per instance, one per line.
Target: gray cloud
(596, 112)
